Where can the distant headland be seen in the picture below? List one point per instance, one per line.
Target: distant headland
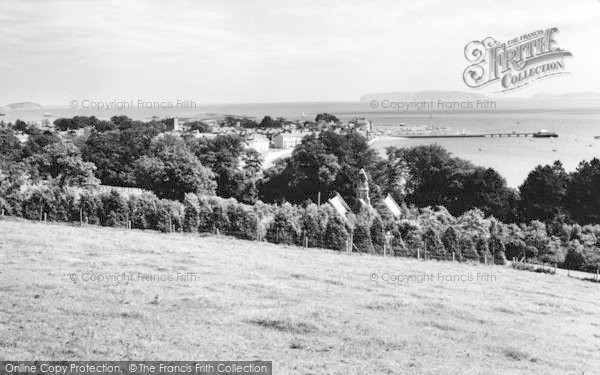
(21, 105)
(423, 95)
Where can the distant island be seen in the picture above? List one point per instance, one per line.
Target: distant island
(423, 95)
(23, 105)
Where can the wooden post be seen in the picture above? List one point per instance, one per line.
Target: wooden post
(217, 229)
(3, 212)
(554, 267)
(347, 250)
(319, 199)
(45, 217)
(418, 253)
(453, 257)
(41, 213)
(305, 241)
(80, 216)
(170, 225)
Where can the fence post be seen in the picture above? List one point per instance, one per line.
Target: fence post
(453, 257)
(3, 212)
(80, 217)
(305, 241)
(418, 253)
(45, 217)
(554, 267)
(41, 213)
(170, 225)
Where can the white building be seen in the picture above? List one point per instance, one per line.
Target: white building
(288, 140)
(259, 142)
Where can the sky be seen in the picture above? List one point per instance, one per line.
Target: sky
(54, 51)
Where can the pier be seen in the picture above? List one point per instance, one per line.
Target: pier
(481, 135)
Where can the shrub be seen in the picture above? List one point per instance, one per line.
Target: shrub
(337, 234)
(143, 211)
(311, 227)
(168, 212)
(243, 221)
(574, 259)
(414, 243)
(205, 215)
(219, 218)
(483, 250)
(450, 241)
(377, 234)
(283, 229)
(467, 248)
(37, 200)
(115, 209)
(498, 250)
(362, 238)
(516, 248)
(433, 244)
(191, 208)
(91, 206)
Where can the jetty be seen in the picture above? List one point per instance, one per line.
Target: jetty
(484, 135)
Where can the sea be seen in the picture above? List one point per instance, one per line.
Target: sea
(575, 120)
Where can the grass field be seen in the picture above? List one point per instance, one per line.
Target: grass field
(309, 311)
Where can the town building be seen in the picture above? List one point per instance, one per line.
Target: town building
(288, 140)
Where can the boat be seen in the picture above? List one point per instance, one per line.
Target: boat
(545, 134)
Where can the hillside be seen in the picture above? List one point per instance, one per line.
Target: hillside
(309, 311)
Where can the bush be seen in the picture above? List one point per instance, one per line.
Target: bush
(450, 241)
(143, 211)
(115, 209)
(377, 234)
(311, 226)
(516, 248)
(90, 203)
(433, 245)
(283, 229)
(574, 259)
(205, 215)
(483, 250)
(337, 235)
(243, 221)
(467, 248)
(191, 216)
(37, 200)
(362, 238)
(219, 219)
(169, 212)
(498, 250)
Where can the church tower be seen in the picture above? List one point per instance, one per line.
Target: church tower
(362, 187)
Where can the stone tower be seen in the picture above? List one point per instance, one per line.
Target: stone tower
(362, 187)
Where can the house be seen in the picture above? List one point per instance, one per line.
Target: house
(258, 142)
(288, 140)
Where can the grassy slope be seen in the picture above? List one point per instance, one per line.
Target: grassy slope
(310, 311)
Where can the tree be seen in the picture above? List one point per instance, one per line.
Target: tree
(583, 193)
(171, 170)
(62, 162)
(543, 192)
(114, 152)
(236, 168)
(10, 147)
(326, 117)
